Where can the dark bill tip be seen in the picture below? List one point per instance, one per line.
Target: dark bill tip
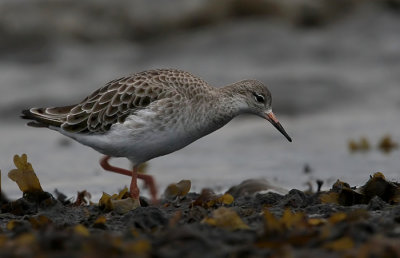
(274, 121)
(282, 130)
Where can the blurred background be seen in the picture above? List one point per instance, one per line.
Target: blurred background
(333, 67)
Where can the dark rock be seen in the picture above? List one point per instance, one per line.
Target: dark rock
(325, 209)
(21, 226)
(191, 240)
(196, 214)
(62, 197)
(268, 198)
(252, 186)
(295, 199)
(145, 218)
(376, 203)
(348, 197)
(3, 199)
(20, 207)
(361, 231)
(396, 214)
(144, 202)
(378, 186)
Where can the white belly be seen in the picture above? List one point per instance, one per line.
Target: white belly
(140, 144)
(141, 137)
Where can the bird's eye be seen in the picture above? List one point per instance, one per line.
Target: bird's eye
(259, 98)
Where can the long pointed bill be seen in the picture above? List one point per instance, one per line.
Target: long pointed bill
(274, 121)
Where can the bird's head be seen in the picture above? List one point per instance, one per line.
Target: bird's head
(257, 100)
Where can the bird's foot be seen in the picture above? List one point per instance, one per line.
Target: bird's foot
(134, 190)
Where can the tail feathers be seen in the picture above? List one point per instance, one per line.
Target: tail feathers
(45, 117)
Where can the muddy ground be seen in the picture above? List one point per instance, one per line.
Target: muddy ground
(344, 222)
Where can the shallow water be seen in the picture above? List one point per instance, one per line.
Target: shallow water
(329, 85)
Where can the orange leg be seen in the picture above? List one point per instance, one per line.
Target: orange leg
(149, 181)
(134, 189)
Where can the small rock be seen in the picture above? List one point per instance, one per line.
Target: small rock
(252, 186)
(145, 218)
(124, 205)
(376, 203)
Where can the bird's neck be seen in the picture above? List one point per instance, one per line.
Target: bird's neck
(230, 101)
(222, 106)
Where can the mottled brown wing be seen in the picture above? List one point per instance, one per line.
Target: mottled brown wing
(111, 104)
(117, 100)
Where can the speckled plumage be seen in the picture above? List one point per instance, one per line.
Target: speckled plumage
(152, 113)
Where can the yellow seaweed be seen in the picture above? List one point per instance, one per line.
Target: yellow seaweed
(40, 221)
(100, 220)
(226, 218)
(81, 230)
(341, 244)
(118, 203)
(292, 219)
(386, 144)
(272, 224)
(209, 199)
(289, 220)
(331, 197)
(24, 175)
(180, 189)
(226, 199)
(139, 247)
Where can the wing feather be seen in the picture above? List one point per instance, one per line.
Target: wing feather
(114, 102)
